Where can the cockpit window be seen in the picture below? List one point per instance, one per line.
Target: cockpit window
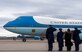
(18, 18)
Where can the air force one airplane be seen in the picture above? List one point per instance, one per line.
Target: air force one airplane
(37, 25)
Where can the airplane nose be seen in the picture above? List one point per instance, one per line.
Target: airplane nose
(8, 24)
(4, 25)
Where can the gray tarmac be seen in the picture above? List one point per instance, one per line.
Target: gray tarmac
(29, 46)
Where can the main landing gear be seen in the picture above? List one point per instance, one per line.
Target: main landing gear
(23, 38)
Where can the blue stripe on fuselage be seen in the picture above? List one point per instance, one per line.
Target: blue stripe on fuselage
(28, 21)
(24, 21)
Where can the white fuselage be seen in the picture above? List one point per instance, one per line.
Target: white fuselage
(37, 25)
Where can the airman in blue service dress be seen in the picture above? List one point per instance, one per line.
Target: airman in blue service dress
(76, 38)
(60, 39)
(50, 37)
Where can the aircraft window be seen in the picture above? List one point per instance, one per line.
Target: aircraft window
(18, 18)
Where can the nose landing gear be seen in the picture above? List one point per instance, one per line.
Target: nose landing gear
(24, 40)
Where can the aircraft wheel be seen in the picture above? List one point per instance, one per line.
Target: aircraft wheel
(41, 38)
(24, 39)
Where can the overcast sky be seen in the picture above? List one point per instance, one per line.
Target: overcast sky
(66, 9)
